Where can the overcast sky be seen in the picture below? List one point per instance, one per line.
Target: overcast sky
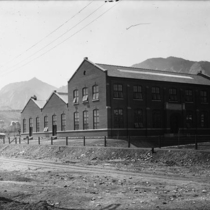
(49, 40)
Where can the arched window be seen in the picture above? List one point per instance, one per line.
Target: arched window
(76, 96)
(95, 91)
(76, 120)
(37, 124)
(85, 120)
(63, 122)
(95, 119)
(85, 94)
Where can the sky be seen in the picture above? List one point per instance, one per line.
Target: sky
(49, 39)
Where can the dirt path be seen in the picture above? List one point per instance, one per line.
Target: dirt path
(61, 186)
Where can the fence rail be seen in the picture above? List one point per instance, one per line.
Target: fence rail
(175, 141)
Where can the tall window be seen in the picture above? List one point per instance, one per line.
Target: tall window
(118, 91)
(75, 96)
(85, 120)
(203, 120)
(137, 92)
(138, 118)
(156, 119)
(24, 125)
(95, 92)
(95, 119)
(30, 122)
(54, 120)
(173, 94)
(155, 93)
(189, 119)
(76, 120)
(37, 124)
(85, 94)
(46, 121)
(63, 122)
(188, 95)
(203, 96)
(118, 118)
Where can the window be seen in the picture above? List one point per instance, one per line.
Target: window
(24, 125)
(203, 120)
(31, 123)
(118, 118)
(95, 119)
(54, 120)
(138, 118)
(137, 92)
(85, 120)
(75, 96)
(63, 122)
(155, 93)
(173, 94)
(188, 96)
(46, 121)
(37, 124)
(76, 120)
(189, 119)
(95, 92)
(85, 95)
(118, 91)
(203, 96)
(156, 119)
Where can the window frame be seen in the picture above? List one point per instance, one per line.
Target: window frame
(76, 96)
(30, 122)
(24, 125)
(188, 95)
(63, 122)
(173, 95)
(156, 119)
(156, 96)
(118, 91)
(76, 120)
(204, 119)
(85, 120)
(137, 92)
(46, 121)
(84, 94)
(138, 118)
(96, 119)
(204, 96)
(95, 92)
(118, 118)
(37, 124)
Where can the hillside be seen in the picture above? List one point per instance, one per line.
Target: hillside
(16, 95)
(175, 65)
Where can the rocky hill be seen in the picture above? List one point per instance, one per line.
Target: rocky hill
(175, 65)
(16, 95)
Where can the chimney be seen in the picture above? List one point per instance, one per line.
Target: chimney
(85, 58)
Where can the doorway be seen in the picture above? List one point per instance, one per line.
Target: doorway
(175, 123)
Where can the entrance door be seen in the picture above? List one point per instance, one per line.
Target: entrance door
(30, 131)
(54, 130)
(175, 123)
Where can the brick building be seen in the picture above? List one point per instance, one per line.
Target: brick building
(120, 101)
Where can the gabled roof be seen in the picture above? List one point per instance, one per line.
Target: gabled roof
(40, 103)
(87, 60)
(62, 96)
(154, 75)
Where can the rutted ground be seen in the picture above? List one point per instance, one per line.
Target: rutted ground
(168, 179)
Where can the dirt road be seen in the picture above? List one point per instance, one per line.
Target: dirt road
(24, 183)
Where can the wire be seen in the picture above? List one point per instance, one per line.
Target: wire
(63, 40)
(47, 35)
(56, 38)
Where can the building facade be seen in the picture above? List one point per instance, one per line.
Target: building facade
(123, 101)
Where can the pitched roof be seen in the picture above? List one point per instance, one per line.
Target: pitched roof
(154, 75)
(39, 103)
(63, 96)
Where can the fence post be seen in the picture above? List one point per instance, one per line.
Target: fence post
(4, 140)
(15, 140)
(159, 141)
(84, 141)
(196, 143)
(19, 140)
(9, 139)
(27, 139)
(51, 140)
(129, 142)
(39, 140)
(104, 141)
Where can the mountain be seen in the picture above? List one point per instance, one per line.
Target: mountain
(63, 89)
(16, 95)
(175, 64)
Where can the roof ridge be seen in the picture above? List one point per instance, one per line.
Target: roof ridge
(155, 70)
